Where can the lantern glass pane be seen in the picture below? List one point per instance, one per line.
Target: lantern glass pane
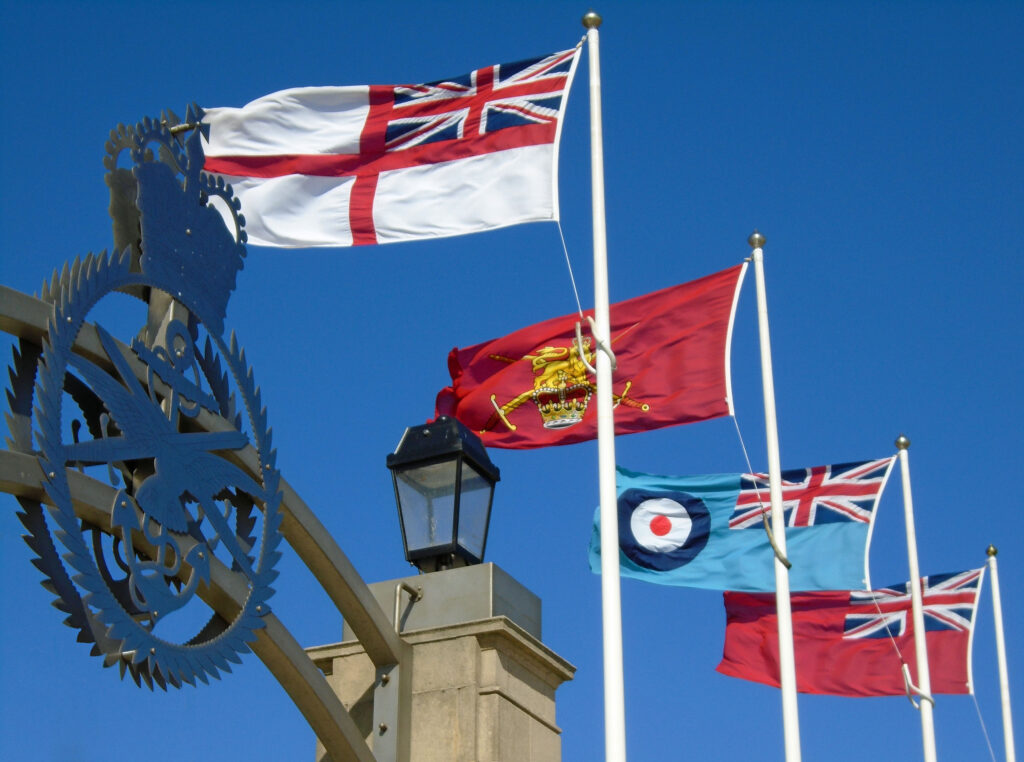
(474, 506)
(427, 497)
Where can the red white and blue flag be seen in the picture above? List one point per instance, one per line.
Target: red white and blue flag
(855, 643)
(682, 530)
(345, 166)
(816, 495)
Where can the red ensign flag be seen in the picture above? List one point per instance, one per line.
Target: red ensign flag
(532, 388)
(855, 643)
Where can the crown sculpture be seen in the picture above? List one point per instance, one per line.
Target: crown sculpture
(170, 425)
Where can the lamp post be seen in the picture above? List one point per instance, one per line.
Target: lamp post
(444, 484)
(464, 630)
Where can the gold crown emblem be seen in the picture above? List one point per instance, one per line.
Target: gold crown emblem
(561, 388)
(563, 405)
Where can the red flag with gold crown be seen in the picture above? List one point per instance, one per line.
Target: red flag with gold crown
(535, 387)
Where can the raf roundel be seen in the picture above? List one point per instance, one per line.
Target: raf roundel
(662, 529)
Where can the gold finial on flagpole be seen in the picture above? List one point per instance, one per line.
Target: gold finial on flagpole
(902, 443)
(591, 20)
(991, 550)
(756, 240)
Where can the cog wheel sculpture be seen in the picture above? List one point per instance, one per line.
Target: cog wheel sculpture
(167, 422)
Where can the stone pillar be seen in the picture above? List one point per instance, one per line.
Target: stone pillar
(483, 684)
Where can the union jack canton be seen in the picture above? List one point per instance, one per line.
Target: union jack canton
(845, 492)
(482, 102)
(948, 601)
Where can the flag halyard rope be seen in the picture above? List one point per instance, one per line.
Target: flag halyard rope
(984, 730)
(568, 264)
(764, 513)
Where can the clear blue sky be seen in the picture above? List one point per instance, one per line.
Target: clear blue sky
(876, 145)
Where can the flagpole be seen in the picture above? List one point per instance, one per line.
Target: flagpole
(924, 681)
(611, 601)
(1004, 680)
(787, 660)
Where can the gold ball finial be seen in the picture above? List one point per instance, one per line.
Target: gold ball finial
(902, 443)
(756, 240)
(991, 550)
(591, 20)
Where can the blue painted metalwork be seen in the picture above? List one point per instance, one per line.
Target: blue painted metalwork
(183, 502)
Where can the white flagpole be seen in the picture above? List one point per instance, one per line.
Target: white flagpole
(924, 680)
(1004, 680)
(611, 601)
(787, 661)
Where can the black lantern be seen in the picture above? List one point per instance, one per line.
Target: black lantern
(444, 483)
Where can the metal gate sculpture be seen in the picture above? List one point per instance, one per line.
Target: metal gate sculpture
(154, 459)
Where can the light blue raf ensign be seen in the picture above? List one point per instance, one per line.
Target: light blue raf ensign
(707, 532)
